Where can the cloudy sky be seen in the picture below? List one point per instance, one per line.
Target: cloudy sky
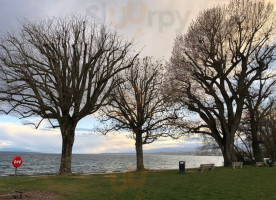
(153, 24)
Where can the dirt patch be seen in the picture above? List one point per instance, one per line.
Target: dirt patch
(32, 195)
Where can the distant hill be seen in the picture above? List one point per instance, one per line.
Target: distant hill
(192, 153)
(183, 151)
(12, 150)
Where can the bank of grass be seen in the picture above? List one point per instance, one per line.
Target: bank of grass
(222, 183)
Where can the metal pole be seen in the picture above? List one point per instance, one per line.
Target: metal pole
(15, 173)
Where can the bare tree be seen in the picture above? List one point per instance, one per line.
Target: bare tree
(268, 134)
(217, 60)
(61, 69)
(258, 106)
(137, 105)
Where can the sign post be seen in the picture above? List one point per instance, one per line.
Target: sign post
(17, 162)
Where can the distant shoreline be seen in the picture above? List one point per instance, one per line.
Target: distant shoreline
(192, 153)
(101, 173)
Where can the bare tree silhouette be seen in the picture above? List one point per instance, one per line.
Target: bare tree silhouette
(138, 105)
(61, 69)
(215, 63)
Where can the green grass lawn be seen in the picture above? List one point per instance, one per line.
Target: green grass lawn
(222, 183)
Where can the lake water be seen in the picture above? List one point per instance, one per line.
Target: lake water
(48, 164)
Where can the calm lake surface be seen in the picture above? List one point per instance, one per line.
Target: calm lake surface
(48, 164)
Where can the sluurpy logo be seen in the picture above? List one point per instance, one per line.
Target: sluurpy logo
(140, 15)
(121, 182)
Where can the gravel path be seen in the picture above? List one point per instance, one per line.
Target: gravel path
(34, 195)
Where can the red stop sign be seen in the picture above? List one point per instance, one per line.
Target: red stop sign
(17, 161)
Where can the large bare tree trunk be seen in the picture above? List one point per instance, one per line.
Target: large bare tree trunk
(257, 150)
(228, 152)
(139, 153)
(227, 156)
(226, 146)
(68, 136)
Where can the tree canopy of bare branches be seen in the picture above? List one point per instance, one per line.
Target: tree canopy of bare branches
(61, 69)
(138, 105)
(215, 63)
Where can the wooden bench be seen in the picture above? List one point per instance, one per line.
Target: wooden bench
(260, 164)
(237, 165)
(206, 166)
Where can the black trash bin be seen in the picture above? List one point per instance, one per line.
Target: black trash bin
(270, 163)
(181, 167)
